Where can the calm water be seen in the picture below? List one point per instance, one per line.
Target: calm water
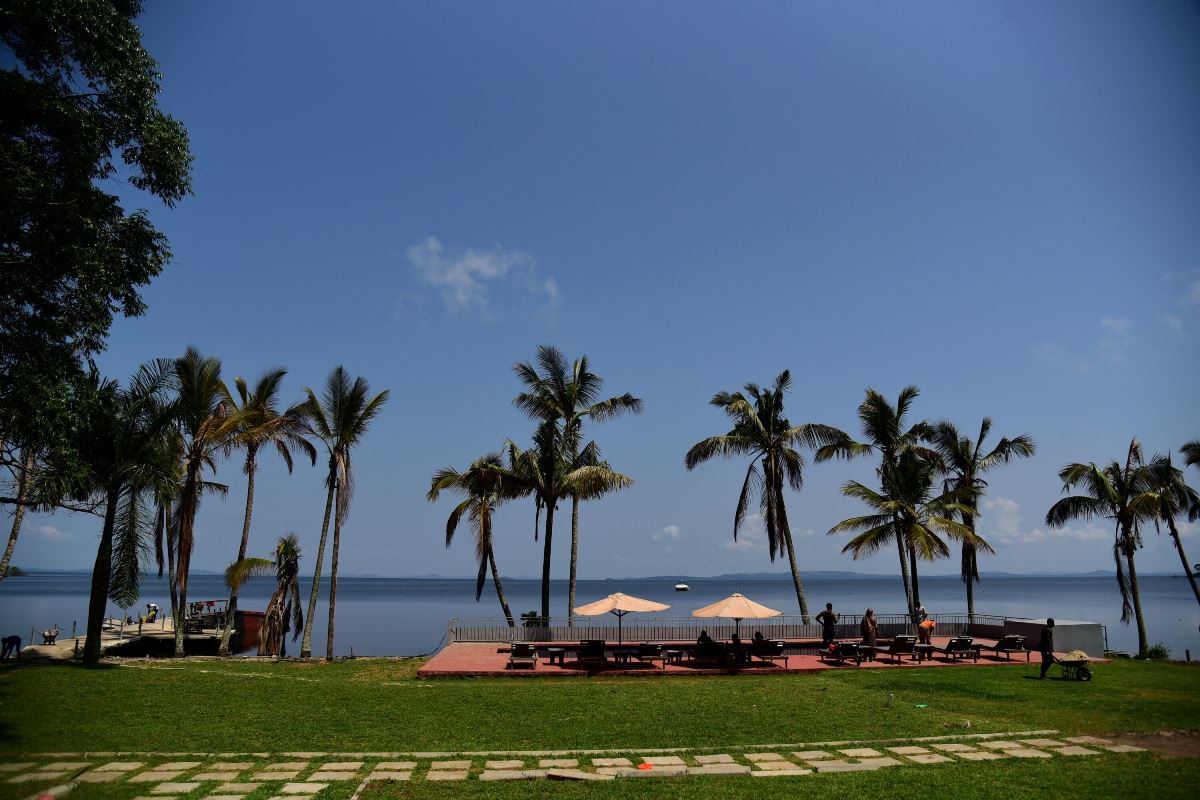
(407, 616)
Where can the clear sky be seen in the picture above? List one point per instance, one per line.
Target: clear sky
(998, 202)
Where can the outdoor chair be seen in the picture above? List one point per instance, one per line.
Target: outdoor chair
(771, 651)
(592, 650)
(713, 652)
(522, 653)
(841, 652)
(650, 653)
(1010, 644)
(960, 647)
(902, 645)
(50, 636)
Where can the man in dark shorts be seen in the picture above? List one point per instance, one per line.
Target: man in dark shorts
(1046, 646)
(828, 621)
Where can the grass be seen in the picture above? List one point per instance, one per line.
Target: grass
(380, 706)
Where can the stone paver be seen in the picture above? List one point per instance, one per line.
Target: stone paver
(763, 757)
(1086, 740)
(908, 750)
(333, 775)
(505, 775)
(292, 797)
(395, 765)
(389, 775)
(224, 797)
(143, 797)
(654, 772)
(810, 755)
(120, 766)
(719, 758)
(450, 765)
(237, 788)
(775, 766)
(38, 776)
(304, 788)
(57, 765)
(954, 747)
(1123, 748)
(882, 761)
(1076, 750)
(286, 775)
(1001, 745)
(225, 766)
(928, 758)
(981, 755)
(861, 752)
(611, 762)
(664, 761)
(156, 776)
(17, 767)
(827, 762)
(285, 766)
(558, 763)
(446, 775)
(781, 773)
(174, 788)
(96, 776)
(1042, 742)
(341, 766)
(845, 767)
(720, 769)
(576, 775)
(511, 764)
(223, 777)
(1026, 752)
(176, 765)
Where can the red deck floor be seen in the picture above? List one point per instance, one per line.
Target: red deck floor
(473, 659)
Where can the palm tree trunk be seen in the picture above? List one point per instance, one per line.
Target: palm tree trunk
(574, 560)
(19, 512)
(1187, 567)
(187, 520)
(970, 568)
(500, 589)
(1143, 642)
(908, 597)
(786, 530)
(549, 536)
(306, 642)
(916, 587)
(231, 608)
(101, 573)
(333, 568)
(171, 564)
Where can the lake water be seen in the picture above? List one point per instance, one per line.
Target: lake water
(408, 616)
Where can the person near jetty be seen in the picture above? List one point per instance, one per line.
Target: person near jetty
(12, 646)
(1046, 647)
(869, 628)
(828, 621)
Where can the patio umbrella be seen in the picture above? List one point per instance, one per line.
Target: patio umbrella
(737, 607)
(619, 604)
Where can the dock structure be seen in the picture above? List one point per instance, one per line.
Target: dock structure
(137, 637)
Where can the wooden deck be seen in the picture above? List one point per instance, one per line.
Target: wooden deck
(479, 659)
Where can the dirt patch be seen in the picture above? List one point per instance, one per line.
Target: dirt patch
(1173, 744)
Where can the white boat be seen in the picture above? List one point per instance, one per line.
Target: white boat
(682, 587)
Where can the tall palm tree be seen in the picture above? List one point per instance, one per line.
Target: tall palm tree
(1124, 494)
(283, 612)
(484, 486)
(603, 479)
(908, 510)
(1175, 498)
(259, 423)
(564, 396)
(207, 428)
(339, 418)
(24, 479)
(761, 431)
(964, 464)
(1191, 453)
(886, 432)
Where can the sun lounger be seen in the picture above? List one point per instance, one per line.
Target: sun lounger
(650, 653)
(959, 647)
(771, 651)
(713, 652)
(592, 650)
(522, 654)
(1008, 645)
(902, 645)
(841, 652)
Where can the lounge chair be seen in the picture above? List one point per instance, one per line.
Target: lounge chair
(650, 653)
(841, 652)
(771, 651)
(1010, 644)
(592, 650)
(523, 653)
(902, 645)
(959, 647)
(713, 652)
(50, 636)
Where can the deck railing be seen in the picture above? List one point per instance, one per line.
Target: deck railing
(650, 628)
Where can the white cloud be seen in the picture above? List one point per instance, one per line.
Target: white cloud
(1055, 355)
(53, 533)
(1174, 324)
(751, 536)
(1191, 296)
(999, 516)
(1088, 533)
(465, 278)
(670, 533)
(1118, 325)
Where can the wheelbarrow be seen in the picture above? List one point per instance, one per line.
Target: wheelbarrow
(1074, 668)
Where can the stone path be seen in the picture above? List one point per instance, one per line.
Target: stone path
(214, 777)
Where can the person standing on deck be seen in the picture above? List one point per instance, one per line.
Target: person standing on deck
(1046, 646)
(828, 621)
(869, 628)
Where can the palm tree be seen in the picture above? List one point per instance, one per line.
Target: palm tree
(207, 427)
(484, 485)
(761, 431)
(907, 510)
(259, 423)
(24, 478)
(964, 463)
(885, 432)
(1124, 494)
(283, 612)
(339, 419)
(1175, 498)
(1191, 453)
(124, 446)
(593, 478)
(566, 396)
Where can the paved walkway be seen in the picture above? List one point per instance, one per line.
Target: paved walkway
(226, 776)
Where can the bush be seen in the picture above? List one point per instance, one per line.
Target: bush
(1158, 652)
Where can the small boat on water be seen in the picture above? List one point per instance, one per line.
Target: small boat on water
(682, 587)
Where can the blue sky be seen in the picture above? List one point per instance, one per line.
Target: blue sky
(996, 202)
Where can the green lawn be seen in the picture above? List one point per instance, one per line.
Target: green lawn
(380, 706)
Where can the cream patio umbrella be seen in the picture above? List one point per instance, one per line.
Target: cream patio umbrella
(737, 607)
(619, 604)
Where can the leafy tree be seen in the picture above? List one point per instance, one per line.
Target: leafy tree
(1124, 494)
(964, 463)
(259, 422)
(79, 94)
(564, 396)
(761, 431)
(886, 432)
(1175, 498)
(283, 612)
(340, 419)
(484, 486)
